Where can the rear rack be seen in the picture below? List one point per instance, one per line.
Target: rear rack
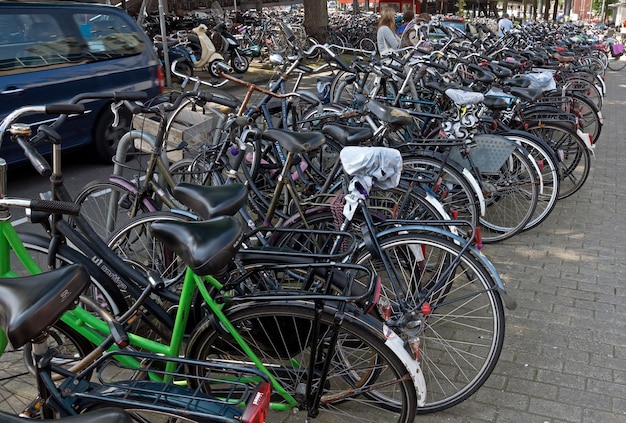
(215, 391)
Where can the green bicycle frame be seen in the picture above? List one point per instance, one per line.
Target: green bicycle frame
(96, 330)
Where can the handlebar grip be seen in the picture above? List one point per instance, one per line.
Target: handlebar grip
(130, 96)
(343, 65)
(56, 207)
(210, 97)
(64, 109)
(40, 164)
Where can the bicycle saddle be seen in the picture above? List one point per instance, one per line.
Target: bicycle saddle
(391, 115)
(495, 103)
(206, 247)
(347, 135)
(105, 415)
(529, 94)
(517, 81)
(211, 201)
(29, 305)
(295, 142)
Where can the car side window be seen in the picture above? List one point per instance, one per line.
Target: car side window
(108, 36)
(34, 41)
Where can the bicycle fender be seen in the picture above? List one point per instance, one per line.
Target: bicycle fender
(131, 188)
(396, 345)
(308, 97)
(479, 192)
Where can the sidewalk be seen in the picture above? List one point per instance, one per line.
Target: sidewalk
(564, 357)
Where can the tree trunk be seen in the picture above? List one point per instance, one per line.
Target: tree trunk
(546, 10)
(555, 10)
(316, 19)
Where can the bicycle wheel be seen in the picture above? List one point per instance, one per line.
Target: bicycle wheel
(365, 382)
(511, 198)
(134, 245)
(108, 205)
(447, 183)
(548, 164)
(573, 154)
(616, 63)
(17, 381)
(367, 44)
(462, 337)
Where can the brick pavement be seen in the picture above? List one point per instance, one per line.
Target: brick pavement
(564, 357)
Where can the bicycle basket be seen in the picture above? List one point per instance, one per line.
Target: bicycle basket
(489, 153)
(617, 49)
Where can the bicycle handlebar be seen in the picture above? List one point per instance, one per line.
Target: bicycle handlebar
(50, 109)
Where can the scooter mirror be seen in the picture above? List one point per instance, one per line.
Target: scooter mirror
(276, 59)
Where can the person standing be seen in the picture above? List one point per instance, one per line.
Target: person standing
(504, 25)
(386, 38)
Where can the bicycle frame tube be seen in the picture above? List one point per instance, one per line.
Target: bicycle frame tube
(96, 330)
(9, 240)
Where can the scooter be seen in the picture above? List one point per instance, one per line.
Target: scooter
(232, 50)
(200, 42)
(177, 51)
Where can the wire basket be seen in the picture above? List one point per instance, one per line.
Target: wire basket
(489, 153)
(215, 391)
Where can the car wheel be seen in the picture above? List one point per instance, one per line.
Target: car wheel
(106, 137)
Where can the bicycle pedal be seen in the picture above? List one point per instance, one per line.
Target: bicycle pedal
(32, 410)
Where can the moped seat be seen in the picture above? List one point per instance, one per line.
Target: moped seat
(207, 247)
(212, 201)
(31, 304)
(295, 142)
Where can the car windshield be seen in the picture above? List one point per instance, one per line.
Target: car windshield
(460, 25)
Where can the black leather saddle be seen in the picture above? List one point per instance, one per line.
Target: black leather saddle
(389, 114)
(31, 304)
(348, 135)
(295, 142)
(207, 247)
(212, 201)
(528, 94)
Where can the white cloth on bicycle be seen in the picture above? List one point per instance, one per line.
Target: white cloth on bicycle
(543, 80)
(369, 167)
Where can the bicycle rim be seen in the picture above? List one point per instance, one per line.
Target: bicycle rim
(463, 336)
(511, 199)
(574, 158)
(281, 335)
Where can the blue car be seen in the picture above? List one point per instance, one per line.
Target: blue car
(50, 52)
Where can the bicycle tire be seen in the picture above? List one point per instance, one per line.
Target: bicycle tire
(447, 183)
(457, 358)
(108, 205)
(545, 156)
(134, 244)
(616, 63)
(279, 333)
(574, 156)
(511, 198)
